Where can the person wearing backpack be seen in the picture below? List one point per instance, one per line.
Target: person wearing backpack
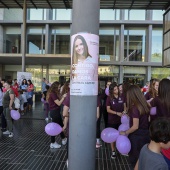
(8, 105)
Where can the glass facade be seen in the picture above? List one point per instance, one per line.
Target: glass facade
(156, 52)
(36, 14)
(157, 15)
(135, 15)
(61, 14)
(36, 40)
(12, 40)
(109, 44)
(60, 40)
(121, 43)
(109, 14)
(134, 44)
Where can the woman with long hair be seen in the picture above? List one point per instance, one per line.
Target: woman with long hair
(80, 51)
(153, 89)
(162, 104)
(138, 111)
(24, 84)
(66, 88)
(115, 107)
(55, 100)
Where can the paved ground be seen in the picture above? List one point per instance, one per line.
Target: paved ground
(29, 148)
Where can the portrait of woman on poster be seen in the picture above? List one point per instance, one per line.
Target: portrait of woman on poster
(80, 53)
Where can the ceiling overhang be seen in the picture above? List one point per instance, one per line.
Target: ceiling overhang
(104, 4)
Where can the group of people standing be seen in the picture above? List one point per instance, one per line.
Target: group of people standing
(9, 92)
(129, 99)
(122, 99)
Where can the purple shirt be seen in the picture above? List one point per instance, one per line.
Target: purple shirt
(162, 111)
(52, 104)
(116, 104)
(66, 101)
(148, 96)
(143, 119)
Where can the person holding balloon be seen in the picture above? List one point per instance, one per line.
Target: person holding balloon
(8, 105)
(115, 107)
(162, 103)
(55, 100)
(138, 111)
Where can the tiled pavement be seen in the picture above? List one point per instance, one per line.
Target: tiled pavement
(29, 148)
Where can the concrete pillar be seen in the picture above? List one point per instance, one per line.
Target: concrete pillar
(121, 43)
(47, 39)
(82, 123)
(23, 39)
(120, 78)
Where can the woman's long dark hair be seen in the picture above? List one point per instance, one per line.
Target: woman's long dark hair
(86, 51)
(152, 91)
(136, 98)
(29, 82)
(54, 88)
(111, 88)
(164, 93)
(1, 86)
(66, 88)
(25, 82)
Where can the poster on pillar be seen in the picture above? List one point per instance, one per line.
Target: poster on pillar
(23, 75)
(84, 64)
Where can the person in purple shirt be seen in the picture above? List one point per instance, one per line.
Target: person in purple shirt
(162, 104)
(115, 107)
(138, 111)
(153, 89)
(55, 100)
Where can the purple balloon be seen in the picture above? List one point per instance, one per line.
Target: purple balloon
(123, 144)
(15, 114)
(109, 135)
(153, 111)
(107, 91)
(42, 99)
(125, 119)
(123, 127)
(53, 129)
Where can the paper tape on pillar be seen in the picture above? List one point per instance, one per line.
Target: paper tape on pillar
(84, 64)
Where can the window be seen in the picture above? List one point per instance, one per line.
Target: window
(156, 52)
(12, 40)
(109, 44)
(157, 15)
(60, 40)
(36, 41)
(134, 44)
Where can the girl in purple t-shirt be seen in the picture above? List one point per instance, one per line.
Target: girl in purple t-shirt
(138, 111)
(55, 100)
(162, 104)
(115, 107)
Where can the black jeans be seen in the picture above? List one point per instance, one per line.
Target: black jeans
(98, 131)
(3, 120)
(56, 117)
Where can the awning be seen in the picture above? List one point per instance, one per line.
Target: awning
(104, 4)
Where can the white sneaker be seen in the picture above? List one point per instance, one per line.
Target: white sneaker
(46, 119)
(11, 135)
(64, 141)
(55, 145)
(6, 132)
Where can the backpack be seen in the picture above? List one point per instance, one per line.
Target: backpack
(16, 103)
